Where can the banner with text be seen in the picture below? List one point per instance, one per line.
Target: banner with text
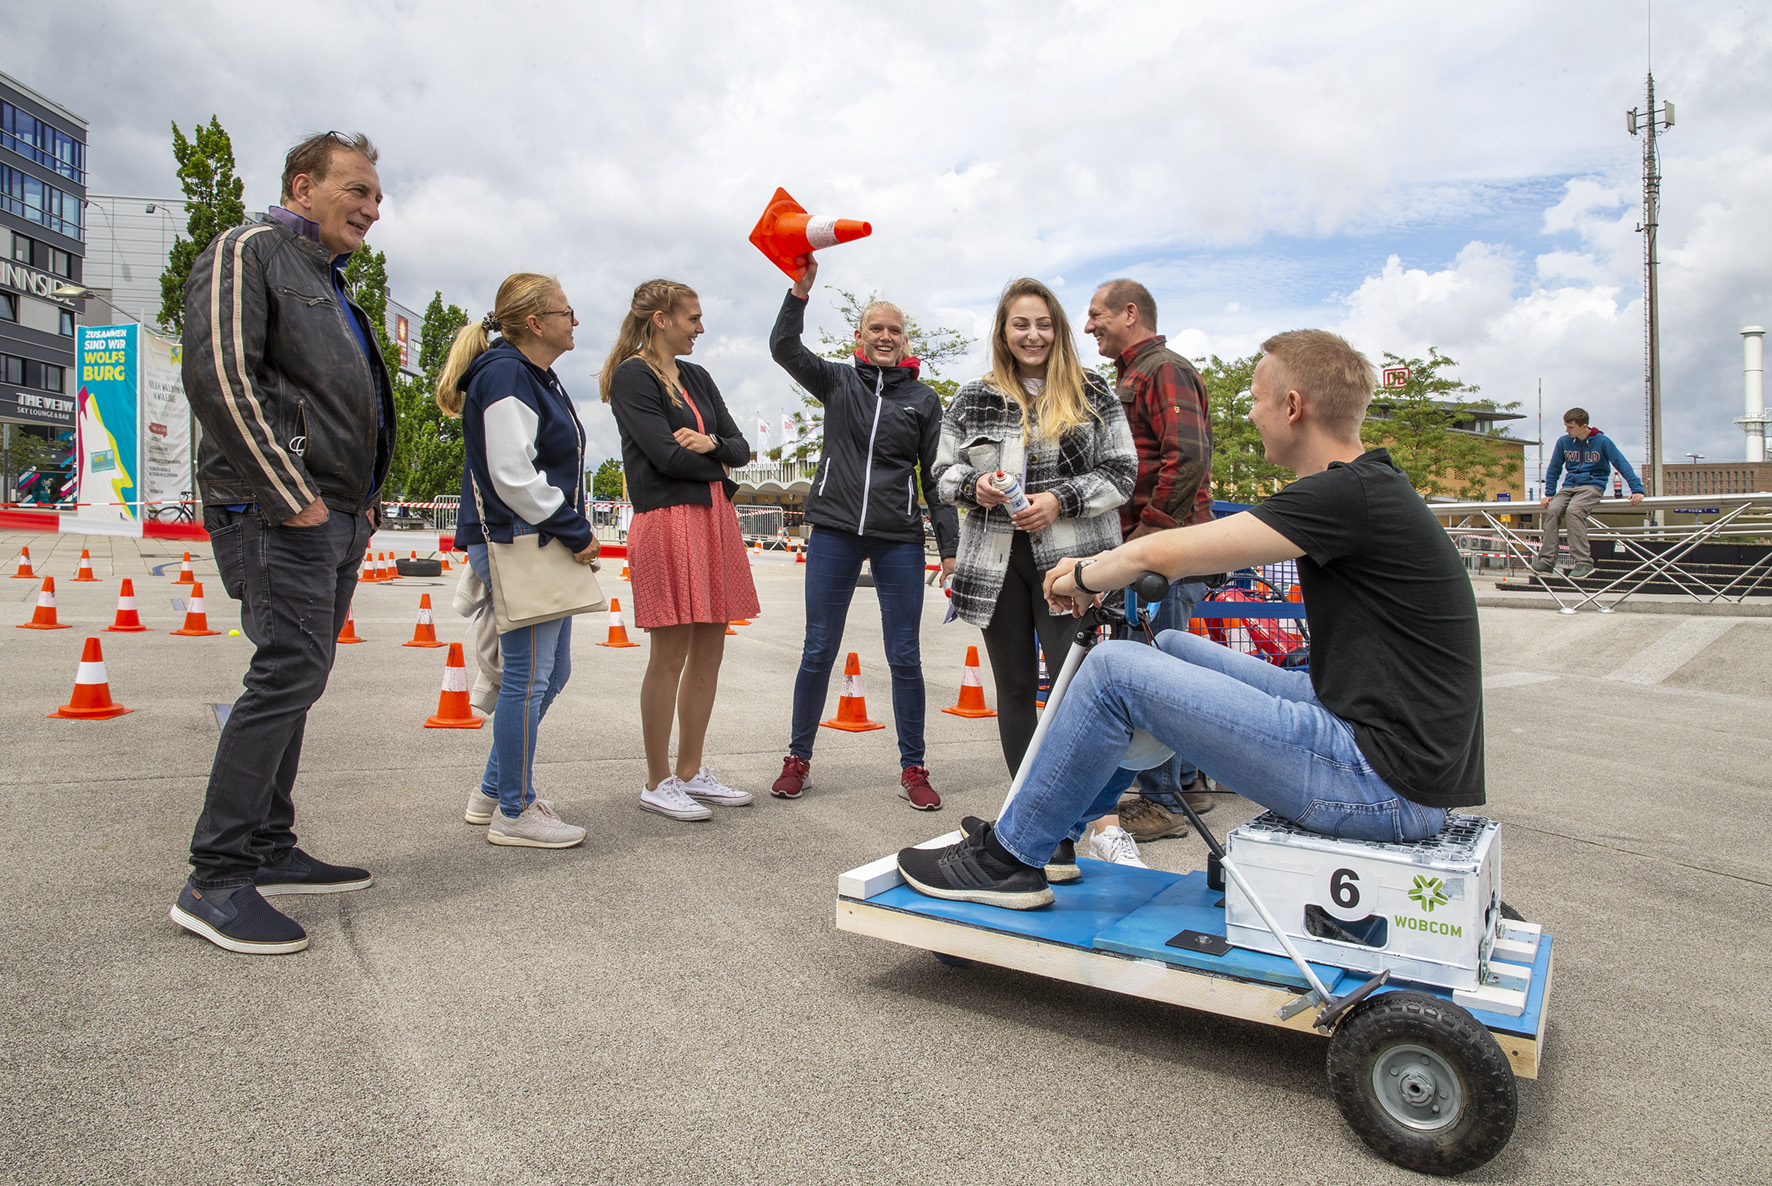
(165, 420)
(105, 424)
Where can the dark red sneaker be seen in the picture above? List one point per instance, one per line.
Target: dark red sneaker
(913, 784)
(795, 778)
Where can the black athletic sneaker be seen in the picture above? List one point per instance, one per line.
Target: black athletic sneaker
(967, 872)
(302, 874)
(238, 919)
(1061, 868)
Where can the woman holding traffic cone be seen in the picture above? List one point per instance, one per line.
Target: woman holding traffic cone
(881, 426)
(524, 475)
(1040, 424)
(689, 571)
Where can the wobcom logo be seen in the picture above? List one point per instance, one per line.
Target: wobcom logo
(1428, 893)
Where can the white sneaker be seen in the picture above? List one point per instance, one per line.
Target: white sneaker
(480, 807)
(1114, 844)
(708, 789)
(669, 798)
(537, 827)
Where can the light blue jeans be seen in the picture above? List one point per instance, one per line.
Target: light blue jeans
(537, 663)
(1255, 727)
(1162, 784)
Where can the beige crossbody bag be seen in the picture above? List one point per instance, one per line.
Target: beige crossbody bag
(532, 584)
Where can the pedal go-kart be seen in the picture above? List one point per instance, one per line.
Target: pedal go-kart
(1432, 992)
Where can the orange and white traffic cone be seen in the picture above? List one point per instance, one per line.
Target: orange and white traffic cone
(624, 574)
(852, 705)
(92, 690)
(425, 633)
(729, 629)
(1295, 594)
(786, 232)
(196, 620)
(618, 634)
(444, 561)
(43, 617)
(24, 572)
(128, 621)
(84, 572)
(799, 554)
(349, 633)
(971, 691)
(453, 709)
(185, 575)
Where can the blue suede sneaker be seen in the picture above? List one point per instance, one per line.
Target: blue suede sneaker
(238, 919)
(302, 874)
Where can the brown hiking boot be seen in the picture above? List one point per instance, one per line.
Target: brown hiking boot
(1150, 821)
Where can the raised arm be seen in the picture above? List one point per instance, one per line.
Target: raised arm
(817, 375)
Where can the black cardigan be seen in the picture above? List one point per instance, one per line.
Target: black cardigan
(662, 473)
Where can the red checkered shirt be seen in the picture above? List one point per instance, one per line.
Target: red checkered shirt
(1165, 405)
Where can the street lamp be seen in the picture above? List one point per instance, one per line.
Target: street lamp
(1696, 458)
(77, 292)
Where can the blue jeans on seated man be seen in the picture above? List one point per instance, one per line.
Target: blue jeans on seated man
(1162, 784)
(537, 663)
(1262, 729)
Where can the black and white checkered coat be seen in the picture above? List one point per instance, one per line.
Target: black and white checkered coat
(1090, 472)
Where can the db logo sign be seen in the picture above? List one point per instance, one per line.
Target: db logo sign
(1396, 377)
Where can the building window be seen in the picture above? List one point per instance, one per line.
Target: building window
(45, 205)
(12, 369)
(21, 248)
(8, 307)
(61, 263)
(43, 142)
(67, 325)
(53, 378)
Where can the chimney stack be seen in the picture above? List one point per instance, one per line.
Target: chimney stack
(1753, 378)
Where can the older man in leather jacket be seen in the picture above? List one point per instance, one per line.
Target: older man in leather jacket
(282, 370)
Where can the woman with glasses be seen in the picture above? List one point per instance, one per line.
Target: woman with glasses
(685, 551)
(524, 475)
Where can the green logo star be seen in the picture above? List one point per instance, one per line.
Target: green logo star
(1428, 892)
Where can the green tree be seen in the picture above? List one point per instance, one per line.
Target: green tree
(1241, 471)
(429, 453)
(213, 201)
(1428, 426)
(606, 485)
(932, 347)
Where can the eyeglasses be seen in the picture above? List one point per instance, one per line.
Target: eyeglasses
(342, 138)
(567, 313)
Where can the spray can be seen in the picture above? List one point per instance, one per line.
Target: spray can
(1010, 487)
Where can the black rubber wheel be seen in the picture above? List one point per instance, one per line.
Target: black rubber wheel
(952, 961)
(1422, 1083)
(1508, 912)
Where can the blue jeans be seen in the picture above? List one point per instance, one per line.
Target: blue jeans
(1162, 784)
(1252, 725)
(537, 663)
(833, 562)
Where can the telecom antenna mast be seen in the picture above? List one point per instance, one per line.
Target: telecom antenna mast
(1646, 123)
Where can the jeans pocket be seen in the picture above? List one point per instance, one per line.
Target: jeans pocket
(1352, 821)
(227, 545)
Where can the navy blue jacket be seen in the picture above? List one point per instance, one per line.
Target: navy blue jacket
(1588, 463)
(525, 449)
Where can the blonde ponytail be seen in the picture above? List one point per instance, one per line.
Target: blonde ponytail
(522, 295)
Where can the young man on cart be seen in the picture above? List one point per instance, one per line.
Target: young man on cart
(1382, 735)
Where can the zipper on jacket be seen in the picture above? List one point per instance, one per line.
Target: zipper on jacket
(310, 301)
(867, 479)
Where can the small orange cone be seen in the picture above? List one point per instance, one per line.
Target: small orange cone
(971, 691)
(196, 620)
(1197, 627)
(185, 575)
(92, 691)
(729, 629)
(786, 232)
(624, 574)
(24, 572)
(425, 633)
(852, 705)
(84, 572)
(1295, 594)
(43, 617)
(618, 634)
(799, 554)
(453, 710)
(380, 570)
(349, 633)
(445, 556)
(757, 547)
(128, 621)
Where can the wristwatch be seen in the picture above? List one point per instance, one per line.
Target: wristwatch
(1077, 579)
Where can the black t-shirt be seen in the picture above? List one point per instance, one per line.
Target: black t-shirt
(1395, 650)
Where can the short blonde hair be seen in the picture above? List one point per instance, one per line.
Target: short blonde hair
(1338, 379)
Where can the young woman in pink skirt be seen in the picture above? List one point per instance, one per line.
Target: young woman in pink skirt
(685, 552)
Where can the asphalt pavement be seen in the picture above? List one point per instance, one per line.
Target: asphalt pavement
(671, 1003)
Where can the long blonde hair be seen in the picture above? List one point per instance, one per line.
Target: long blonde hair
(522, 295)
(1062, 404)
(634, 339)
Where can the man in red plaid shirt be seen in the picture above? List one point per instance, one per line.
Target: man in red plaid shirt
(1165, 404)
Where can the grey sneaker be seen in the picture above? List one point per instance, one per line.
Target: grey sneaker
(1540, 564)
(708, 789)
(537, 827)
(1112, 844)
(1581, 572)
(669, 798)
(480, 807)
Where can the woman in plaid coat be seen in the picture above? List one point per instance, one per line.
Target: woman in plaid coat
(1058, 429)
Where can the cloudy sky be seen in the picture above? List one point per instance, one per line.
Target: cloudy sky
(1412, 175)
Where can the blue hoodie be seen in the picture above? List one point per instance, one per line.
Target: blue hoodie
(1588, 462)
(525, 448)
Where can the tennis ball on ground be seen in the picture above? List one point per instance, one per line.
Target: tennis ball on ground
(233, 634)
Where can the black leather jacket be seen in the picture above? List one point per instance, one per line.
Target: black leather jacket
(277, 378)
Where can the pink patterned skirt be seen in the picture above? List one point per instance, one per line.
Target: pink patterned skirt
(688, 564)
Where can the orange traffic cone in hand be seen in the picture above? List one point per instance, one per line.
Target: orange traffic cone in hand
(453, 709)
(196, 620)
(185, 575)
(425, 633)
(786, 232)
(128, 621)
(84, 572)
(618, 634)
(852, 705)
(92, 690)
(349, 633)
(971, 691)
(24, 572)
(43, 618)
